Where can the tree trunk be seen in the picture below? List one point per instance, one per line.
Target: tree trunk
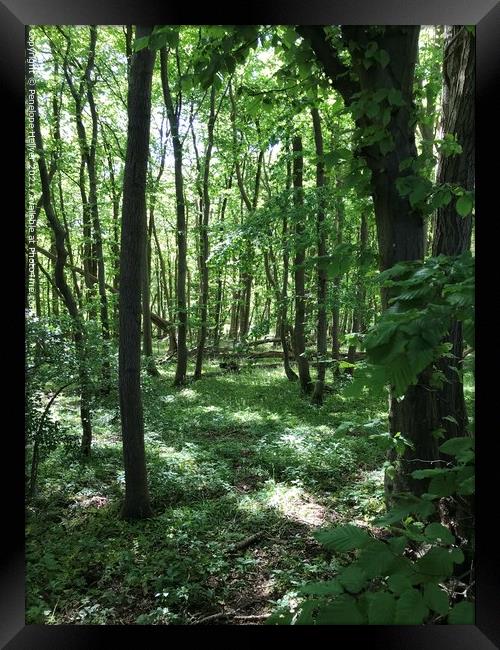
(204, 244)
(452, 235)
(400, 227)
(299, 271)
(132, 261)
(181, 228)
(60, 236)
(322, 278)
(336, 290)
(358, 325)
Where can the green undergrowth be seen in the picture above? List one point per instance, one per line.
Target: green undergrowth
(230, 456)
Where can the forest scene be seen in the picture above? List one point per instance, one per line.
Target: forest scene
(249, 325)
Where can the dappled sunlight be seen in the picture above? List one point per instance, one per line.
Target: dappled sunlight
(290, 501)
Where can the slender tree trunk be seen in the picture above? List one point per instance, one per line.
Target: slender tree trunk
(173, 114)
(299, 271)
(147, 327)
(60, 237)
(358, 325)
(322, 278)
(204, 244)
(132, 261)
(336, 292)
(94, 211)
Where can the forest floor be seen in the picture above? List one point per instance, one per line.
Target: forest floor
(242, 470)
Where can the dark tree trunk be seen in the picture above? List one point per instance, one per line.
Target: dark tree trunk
(132, 260)
(400, 227)
(299, 271)
(452, 235)
(322, 278)
(173, 114)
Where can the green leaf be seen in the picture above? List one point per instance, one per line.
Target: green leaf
(464, 205)
(381, 608)
(436, 598)
(353, 579)
(383, 58)
(327, 588)
(304, 615)
(457, 446)
(438, 533)
(397, 544)
(410, 608)
(395, 97)
(376, 558)
(399, 582)
(342, 611)
(141, 43)
(437, 562)
(462, 614)
(343, 538)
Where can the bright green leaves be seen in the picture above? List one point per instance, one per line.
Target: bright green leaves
(343, 538)
(161, 36)
(465, 204)
(417, 188)
(449, 146)
(426, 297)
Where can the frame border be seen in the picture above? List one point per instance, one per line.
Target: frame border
(14, 16)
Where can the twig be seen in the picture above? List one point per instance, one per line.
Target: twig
(239, 546)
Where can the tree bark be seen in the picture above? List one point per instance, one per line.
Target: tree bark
(299, 271)
(60, 237)
(452, 235)
(173, 114)
(322, 278)
(132, 260)
(204, 244)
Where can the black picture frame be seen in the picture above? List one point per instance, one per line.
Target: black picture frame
(14, 16)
